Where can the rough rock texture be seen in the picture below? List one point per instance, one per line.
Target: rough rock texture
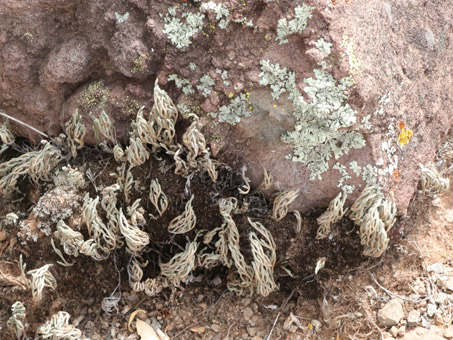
(421, 333)
(399, 53)
(391, 313)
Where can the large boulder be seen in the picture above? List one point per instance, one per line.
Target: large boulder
(368, 101)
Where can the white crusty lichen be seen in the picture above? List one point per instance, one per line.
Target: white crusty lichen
(180, 32)
(325, 125)
(58, 328)
(296, 25)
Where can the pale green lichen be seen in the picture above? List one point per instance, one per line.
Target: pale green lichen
(222, 14)
(121, 18)
(206, 84)
(183, 84)
(324, 46)
(236, 109)
(324, 127)
(179, 33)
(296, 25)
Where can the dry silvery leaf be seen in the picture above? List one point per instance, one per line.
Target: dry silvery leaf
(320, 264)
(147, 332)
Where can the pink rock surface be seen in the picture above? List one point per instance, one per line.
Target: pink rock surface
(50, 52)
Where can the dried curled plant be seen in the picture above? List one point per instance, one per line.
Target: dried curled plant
(127, 183)
(58, 327)
(5, 135)
(143, 129)
(185, 222)
(136, 239)
(16, 322)
(163, 119)
(36, 164)
(267, 182)
(264, 258)
(375, 215)
(41, 278)
(103, 235)
(135, 273)
(108, 204)
(136, 213)
(158, 197)
(195, 142)
(91, 248)
(75, 131)
(245, 189)
(432, 182)
(231, 235)
(282, 202)
(119, 154)
(71, 240)
(136, 152)
(178, 269)
(103, 126)
(333, 214)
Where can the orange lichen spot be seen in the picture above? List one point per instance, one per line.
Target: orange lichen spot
(396, 173)
(401, 125)
(405, 136)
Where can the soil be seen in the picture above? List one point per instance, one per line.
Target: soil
(204, 308)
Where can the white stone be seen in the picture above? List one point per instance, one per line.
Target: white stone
(437, 268)
(448, 333)
(440, 298)
(431, 310)
(413, 319)
(449, 283)
(391, 313)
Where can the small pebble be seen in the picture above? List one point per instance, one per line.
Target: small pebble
(198, 329)
(248, 313)
(394, 331)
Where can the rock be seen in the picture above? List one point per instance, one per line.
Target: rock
(440, 298)
(401, 331)
(413, 318)
(437, 268)
(251, 331)
(68, 62)
(247, 313)
(391, 313)
(394, 331)
(449, 283)
(448, 333)
(129, 46)
(316, 325)
(420, 333)
(430, 309)
(438, 320)
(215, 328)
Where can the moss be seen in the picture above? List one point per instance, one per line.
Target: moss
(95, 94)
